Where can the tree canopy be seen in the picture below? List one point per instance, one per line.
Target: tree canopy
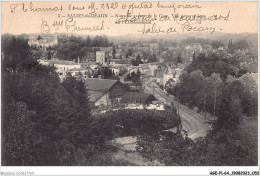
(47, 118)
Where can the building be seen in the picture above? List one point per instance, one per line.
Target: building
(62, 66)
(120, 61)
(137, 98)
(177, 72)
(102, 57)
(115, 70)
(158, 75)
(104, 92)
(81, 72)
(166, 76)
(153, 67)
(145, 69)
(44, 41)
(92, 65)
(135, 69)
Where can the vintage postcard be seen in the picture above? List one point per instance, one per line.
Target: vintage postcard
(129, 83)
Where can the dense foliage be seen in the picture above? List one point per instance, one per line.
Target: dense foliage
(133, 122)
(211, 85)
(216, 44)
(43, 121)
(212, 64)
(72, 48)
(240, 44)
(135, 78)
(219, 148)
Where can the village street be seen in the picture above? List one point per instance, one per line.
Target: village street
(192, 122)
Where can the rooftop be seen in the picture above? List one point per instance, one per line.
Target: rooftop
(102, 85)
(94, 95)
(62, 62)
(137, 97)
(78, 69)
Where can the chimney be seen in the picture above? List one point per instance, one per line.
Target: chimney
(78, 59)
(99, 77)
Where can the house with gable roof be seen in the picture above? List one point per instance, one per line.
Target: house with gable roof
(104, 91)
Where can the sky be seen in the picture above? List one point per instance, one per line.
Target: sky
(241, 17)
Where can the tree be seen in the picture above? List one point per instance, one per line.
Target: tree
(169, 86)
(114, 52)
(249, 95)
(70, 48)
(215, 81)
(45, 115)
(218, 148)
(39, 37)
(78, 90)
(134, 62)
(129, 52)
(178, 60)
(100, 41)
(241, 72)
(241, 44)
(211, 64)
(49, 55)
(18, 134)
(229, 107)
(135, 78)
(138, 59)
(88, 42)
(152, 58)
(216, 44)
(106, 73)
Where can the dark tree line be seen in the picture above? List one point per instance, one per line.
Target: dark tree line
(135, 78)
(72, 48)
(211, 84)
(240, 44)
(221, 148)
(216, 44)
(44, 122)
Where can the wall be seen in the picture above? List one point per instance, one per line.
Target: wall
(102, 57)
(103, 100)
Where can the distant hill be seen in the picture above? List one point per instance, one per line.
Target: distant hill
(252, 38)
(223, 37)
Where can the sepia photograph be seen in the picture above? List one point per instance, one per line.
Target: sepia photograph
(129, 83)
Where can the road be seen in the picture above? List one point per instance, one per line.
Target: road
(192, 122)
